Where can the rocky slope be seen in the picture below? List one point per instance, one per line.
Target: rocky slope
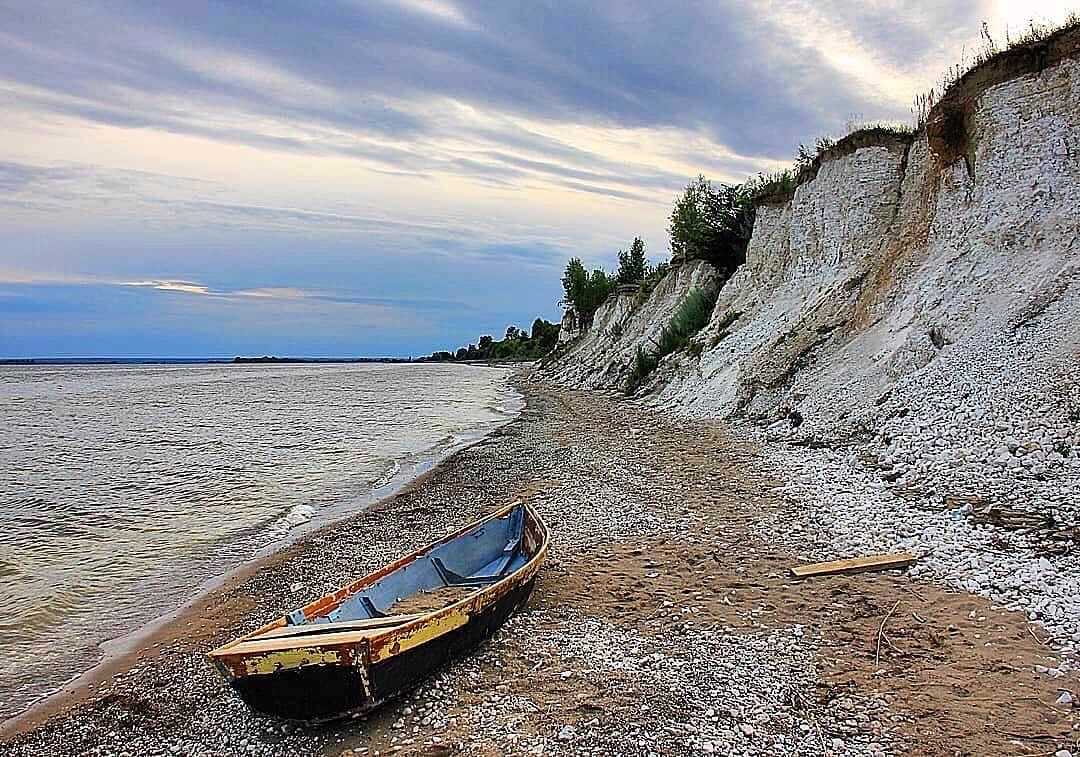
(601, 356)
(914, 307)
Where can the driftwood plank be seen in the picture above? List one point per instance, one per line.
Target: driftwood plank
(855, 565)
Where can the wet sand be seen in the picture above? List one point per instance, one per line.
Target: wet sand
(663, 623)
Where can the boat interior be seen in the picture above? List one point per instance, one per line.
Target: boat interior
(466, 563)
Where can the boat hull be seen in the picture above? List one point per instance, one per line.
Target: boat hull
(351, 650)
(320, 693)
(406, 670)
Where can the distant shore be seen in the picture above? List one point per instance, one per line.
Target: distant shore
(115, 361)
(242, 360)
(195, 360)
(272, 359)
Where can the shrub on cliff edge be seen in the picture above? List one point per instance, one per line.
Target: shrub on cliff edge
(583, 291)
(712, 223)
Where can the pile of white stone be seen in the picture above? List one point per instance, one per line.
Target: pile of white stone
(845, 509)
(993, 419)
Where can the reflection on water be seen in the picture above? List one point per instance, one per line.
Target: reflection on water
(124, 488)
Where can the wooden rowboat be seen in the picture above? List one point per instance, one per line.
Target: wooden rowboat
(353, 649)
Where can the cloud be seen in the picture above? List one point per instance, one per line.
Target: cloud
(361, 78)
(187, 287)
(431, 88)
(261, 294)
(66, 181)
(59, 320)
(164, 202)
(439, 9)
(286, 293)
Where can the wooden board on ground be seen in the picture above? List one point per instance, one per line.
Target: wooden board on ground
(855, 565)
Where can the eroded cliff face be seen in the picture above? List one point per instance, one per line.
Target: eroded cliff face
(925, 305)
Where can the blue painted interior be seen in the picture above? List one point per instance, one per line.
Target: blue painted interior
(476, 558)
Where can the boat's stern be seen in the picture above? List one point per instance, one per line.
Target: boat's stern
(309, 684)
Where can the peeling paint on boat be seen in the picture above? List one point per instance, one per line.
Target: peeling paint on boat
(423, 631)
(289, 658)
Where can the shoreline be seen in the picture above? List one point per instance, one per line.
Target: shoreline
(664, 622)
(139, 644)
(123, 652)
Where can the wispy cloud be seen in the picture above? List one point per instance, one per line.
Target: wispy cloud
(166, 201)
(260, 294)
(187, 287)
(439, 9)
(284, 293)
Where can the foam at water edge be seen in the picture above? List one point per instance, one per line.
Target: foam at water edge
(296, 515)
(387, 476)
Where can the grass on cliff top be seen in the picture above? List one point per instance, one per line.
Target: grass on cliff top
(780, 186)
(689, 318)
(990, 49)
(775, 186)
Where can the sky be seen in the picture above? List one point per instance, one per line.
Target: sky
(389, 177)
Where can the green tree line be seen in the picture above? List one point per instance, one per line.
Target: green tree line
(517, 344)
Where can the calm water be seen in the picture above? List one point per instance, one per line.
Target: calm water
(122, 489)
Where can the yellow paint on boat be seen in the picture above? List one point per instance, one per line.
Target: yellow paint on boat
(426, 631)
(290, 658)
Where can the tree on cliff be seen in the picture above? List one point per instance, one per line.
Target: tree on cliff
(633, 267)
(583, 291)
(600, 286)
(575, 282)
(712, 224)
(545, 336)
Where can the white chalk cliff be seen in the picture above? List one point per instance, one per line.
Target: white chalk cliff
(919, 298)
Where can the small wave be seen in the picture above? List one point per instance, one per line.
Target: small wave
(9, 569)
(387, 475)
(296, 515)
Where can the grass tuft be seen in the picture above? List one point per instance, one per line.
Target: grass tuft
(644, 364)
(689, 318)
(766, 186)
